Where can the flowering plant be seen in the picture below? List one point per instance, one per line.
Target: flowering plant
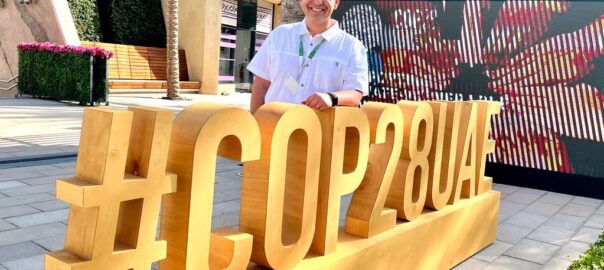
(58, 48)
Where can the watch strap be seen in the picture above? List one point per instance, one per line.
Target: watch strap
(334, 99)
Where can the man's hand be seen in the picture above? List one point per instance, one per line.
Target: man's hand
(318, 101)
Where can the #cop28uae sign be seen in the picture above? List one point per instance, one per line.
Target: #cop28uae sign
(415, 170)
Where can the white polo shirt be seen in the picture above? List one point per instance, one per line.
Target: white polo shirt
(340, 63)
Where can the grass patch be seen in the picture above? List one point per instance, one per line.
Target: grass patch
(592, 259)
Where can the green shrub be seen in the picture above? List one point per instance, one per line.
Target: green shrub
(138, 22)
(86, 18)
(62, 72)
(592, 259)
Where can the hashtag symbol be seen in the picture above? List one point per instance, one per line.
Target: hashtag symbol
(116, 192)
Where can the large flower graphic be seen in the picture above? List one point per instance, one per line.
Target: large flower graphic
(515, 52)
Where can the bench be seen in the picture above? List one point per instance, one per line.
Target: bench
(138, 67)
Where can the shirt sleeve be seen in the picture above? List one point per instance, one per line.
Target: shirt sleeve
(260, 64)
(357, 73)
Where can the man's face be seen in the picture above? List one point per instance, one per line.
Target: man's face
(318, 10)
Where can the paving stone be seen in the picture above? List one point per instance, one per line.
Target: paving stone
(573, 250)
(493, 251)
(502, 217)
(50, 205)
(6, 226)
(43, 180)
(226, 220)
(31, 263)
(510, 208)
(600, 210)
(19, 210)
(527, 220)
(533, 251)
(18, 191)
(225, 207)
(587, 235)
(19, 251)
(27, 199)
(234, 186)
(556, 198)
(226, 196)
(11, 184)
(52, 243)
(572, 223)
(471, 264)
(587, 201)
(512, 233)
(505, 189)
(31, 233)
(66, 164)
(595, 221)
(39, 218)
(58, 171)
(542, 208)
(580, 210)
(508, 263)
(524, 196)
(26, 171)
(17, 176)
(552, 235)
(557, 263)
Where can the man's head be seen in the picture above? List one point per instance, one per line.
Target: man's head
(318, 11)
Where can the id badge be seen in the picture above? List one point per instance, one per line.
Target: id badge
(292, 85)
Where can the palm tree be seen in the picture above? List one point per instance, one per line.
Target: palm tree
(291, 11)
(172, 51)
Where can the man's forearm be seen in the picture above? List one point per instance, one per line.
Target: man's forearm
(256, 100)
(259, 89)
(349, 97)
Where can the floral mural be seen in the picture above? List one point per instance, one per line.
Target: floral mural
(541, 59)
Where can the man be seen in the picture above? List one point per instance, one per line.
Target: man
(312, 62)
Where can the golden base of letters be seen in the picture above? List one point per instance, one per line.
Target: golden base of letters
(415, 170)
(435, 240)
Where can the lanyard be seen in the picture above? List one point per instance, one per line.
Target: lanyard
(305, 64)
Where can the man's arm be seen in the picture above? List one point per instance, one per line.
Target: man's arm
(322, 101)
(259, 88)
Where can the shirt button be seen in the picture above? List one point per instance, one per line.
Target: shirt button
(311, 44)
(302, 85)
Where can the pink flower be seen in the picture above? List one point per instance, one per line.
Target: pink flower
(60, 49)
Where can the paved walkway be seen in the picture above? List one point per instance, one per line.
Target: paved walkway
(537, 229)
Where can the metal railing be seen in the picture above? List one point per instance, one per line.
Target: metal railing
(14, 80)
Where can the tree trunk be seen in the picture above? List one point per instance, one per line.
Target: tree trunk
(291, 11)
(172, 51)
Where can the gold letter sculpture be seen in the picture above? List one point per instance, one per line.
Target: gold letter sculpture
(187, 214)
(279, 191)
(113, 216)
(409, 187)
(298, 163)
(344, 157)
(486, 109)
(442, 157)
(465, 162)
(366, 215)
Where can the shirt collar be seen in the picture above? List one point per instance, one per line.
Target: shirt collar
(329, 34)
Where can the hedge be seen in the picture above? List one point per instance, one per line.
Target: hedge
(592, 259)
(63, 72)
(138, 22)
(85, 15)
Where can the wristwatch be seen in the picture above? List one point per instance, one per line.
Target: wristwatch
(334, 99)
